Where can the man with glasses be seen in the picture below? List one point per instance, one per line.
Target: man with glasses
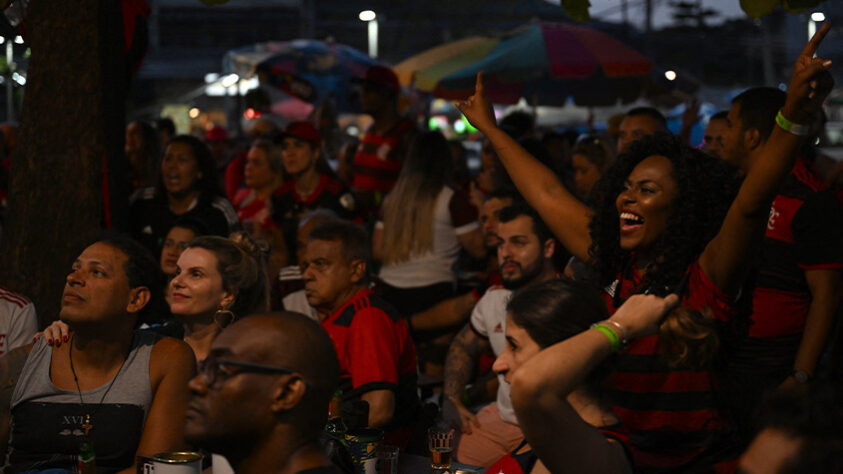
(261, 397)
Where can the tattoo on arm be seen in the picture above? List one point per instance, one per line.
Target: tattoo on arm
(461, 360)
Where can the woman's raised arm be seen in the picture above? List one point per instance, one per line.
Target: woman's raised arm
(727, 258)
(540, 387)
(564, 214)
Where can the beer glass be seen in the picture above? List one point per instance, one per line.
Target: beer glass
(441, 443)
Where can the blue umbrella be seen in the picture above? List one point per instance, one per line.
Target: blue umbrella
(311, 70)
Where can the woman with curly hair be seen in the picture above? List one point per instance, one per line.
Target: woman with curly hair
(664, 223)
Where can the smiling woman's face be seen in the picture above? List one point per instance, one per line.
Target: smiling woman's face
(197, 289)
(646, 202)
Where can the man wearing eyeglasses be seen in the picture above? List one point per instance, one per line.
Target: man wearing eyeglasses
(260, 398)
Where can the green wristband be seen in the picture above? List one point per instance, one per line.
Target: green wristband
(614, 340)
(790, 127)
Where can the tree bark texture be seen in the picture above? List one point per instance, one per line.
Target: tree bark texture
(72, 123)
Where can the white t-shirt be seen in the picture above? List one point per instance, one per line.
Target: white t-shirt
(453, 216)
(297, 302)
(488, 319)
(18, 321)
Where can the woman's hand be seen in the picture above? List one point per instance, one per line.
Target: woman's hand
(641, 315)
(55, 333)
(810, 82)
(477, 108)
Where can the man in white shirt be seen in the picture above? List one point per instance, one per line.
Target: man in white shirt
(525, 256)
(18, 321)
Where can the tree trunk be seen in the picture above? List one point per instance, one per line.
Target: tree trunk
(71, 124)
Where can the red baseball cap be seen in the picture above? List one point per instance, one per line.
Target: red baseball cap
(303, 131)
(382, 76)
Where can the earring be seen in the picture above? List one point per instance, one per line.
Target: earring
(224, 317)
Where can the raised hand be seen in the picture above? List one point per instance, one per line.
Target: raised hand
(641, 315)
(477, 108)
(810, 82)
(691, 115)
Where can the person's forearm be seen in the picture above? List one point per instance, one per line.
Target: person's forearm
(767, 174)
(558, 369)
(380, 416)
(685, 134)
(445, 314)
(566, 216)
(459, 363)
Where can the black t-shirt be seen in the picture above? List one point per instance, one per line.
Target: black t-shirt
(288, 207)
(152, 218)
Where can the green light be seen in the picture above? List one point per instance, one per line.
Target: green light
(468, 128)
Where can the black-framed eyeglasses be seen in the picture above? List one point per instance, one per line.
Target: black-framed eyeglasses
(210, 369)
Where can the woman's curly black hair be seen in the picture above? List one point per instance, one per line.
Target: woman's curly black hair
(707, 187)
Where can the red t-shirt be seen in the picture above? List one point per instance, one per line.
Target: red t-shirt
(379, 157)
(375, 352)
(803, 233)
(672, 415)
(251, 208)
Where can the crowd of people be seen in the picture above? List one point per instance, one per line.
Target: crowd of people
(622, 302)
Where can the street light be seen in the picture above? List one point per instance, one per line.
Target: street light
(816, 17)
(670, 75)
(371, 19)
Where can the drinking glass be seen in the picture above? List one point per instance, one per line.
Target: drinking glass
(389, 460)
(441, 443)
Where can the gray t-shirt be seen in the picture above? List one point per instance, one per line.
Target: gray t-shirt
(47, 422)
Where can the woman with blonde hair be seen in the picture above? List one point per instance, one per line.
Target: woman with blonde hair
(263, 175)
(424, 224)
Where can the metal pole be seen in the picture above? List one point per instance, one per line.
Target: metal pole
(10, 92)
(373, 38)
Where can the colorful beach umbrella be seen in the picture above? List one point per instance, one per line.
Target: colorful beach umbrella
(425, 69)
(546, 63)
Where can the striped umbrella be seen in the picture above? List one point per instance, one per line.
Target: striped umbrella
(547, 63)
(425, 69)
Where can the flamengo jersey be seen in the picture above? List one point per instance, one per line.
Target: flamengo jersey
(375, 352)
(18, 321)
(804, 232)
(379, 157)
(672, 415)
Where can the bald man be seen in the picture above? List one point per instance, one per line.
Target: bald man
(261, 397)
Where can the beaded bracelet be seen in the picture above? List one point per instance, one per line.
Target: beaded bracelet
(614, 340)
